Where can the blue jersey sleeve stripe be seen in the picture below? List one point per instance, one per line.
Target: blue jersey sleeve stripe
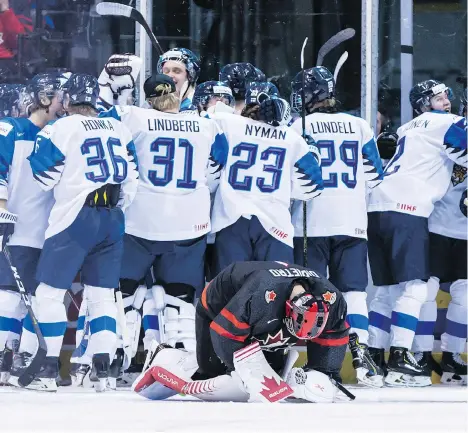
(455, 138)
(372, 157)
(7, 148)
(112, 112)
(46, 158)
(310, 170)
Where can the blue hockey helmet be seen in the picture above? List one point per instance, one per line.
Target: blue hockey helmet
(210, 89)
(9, 100)
(82, 89)
(239, 76)
(259, 92)
(43, 87)
(319, 85)
(184, 56)
(421, 94)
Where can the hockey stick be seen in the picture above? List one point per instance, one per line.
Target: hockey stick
(304, 203)
(120, 10)
(27, 374)
(339, 65)
(347, 393)
(333, 42)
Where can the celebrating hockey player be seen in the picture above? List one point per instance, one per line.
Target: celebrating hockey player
(246, 318)
(267, 166)
(239, 76)
(23, 203)
(213, 96)
(417, 176)
(337, 241)
(89, 165)
(180, 157)
(183, 66)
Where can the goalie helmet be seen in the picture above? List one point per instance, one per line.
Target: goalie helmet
(83, 89)
(205, 91)
(238, 76)
(306, 316)
(319, 85)
(421, 94)
(184, 56)
(258, 92)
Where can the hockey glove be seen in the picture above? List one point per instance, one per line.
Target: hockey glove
(275, 112)
(313, 149)
(7, 226)
(117, 80)
(387, 144)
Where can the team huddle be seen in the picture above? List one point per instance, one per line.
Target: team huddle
(231, 228)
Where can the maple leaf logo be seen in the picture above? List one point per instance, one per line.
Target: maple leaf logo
(329, 297)
(270, 296)
(276, 340)
(274, 391)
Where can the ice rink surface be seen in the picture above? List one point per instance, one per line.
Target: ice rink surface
(435, 409)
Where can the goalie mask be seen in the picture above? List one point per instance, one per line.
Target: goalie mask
(306, 316)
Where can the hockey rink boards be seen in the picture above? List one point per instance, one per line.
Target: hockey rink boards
(438, 408)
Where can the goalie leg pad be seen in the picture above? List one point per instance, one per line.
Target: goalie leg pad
(312, 386)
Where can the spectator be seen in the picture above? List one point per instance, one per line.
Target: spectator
(10, 28)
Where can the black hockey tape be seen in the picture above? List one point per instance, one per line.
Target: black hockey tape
(407, 49)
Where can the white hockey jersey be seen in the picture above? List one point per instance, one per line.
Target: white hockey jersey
(180, 157)
(350, 164)
(419, 173)
(447, 218)
(266, 167)
(24, 197)
(76, 155)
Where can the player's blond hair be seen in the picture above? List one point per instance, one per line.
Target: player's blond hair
(165, 102)
(83, 109)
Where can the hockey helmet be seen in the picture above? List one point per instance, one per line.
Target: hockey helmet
(319, 85)
(238, 76)
(306, 315)
(82, 89)
(205, 91)
(258, 92)
(421, 94)
(185, 57)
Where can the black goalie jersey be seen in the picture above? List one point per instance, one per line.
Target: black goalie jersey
(246, 303)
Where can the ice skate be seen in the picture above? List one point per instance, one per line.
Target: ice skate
(45, 380)
(367, 371)
(100, 371)
(404, 370)
(454, 369)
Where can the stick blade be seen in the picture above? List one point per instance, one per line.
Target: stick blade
(340, 64)
(302, 52)
(28, 374)
(110, 8)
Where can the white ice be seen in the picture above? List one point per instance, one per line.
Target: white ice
(436, 409)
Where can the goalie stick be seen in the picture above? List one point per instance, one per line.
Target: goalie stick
(303, 114)
(333, 42)
(27, 374)
(120, 10)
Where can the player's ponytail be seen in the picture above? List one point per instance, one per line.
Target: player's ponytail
(165, 103)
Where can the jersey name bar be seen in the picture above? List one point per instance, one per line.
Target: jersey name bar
(292, 272)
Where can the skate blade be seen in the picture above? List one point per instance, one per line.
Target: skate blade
(112, 383)
(4, 378)
(453, 379)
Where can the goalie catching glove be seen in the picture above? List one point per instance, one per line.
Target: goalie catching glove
(117, 80)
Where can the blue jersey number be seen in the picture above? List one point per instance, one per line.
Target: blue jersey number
(391, 167)
(100, 160)
(167, 146)
(250, 151)
(348, 154)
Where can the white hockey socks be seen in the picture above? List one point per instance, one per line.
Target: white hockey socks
(454, 337)
(52, 316)
(405, 315)
(357, 316)
(10, 317)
